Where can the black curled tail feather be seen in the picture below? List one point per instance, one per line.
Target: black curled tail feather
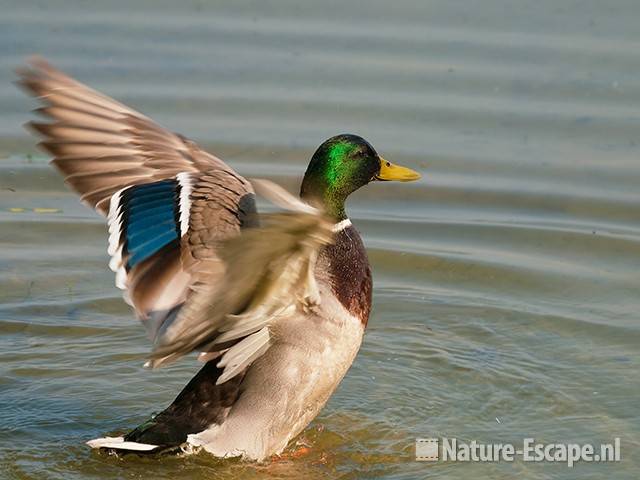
(200, 405)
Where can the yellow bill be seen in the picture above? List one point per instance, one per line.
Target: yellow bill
(390, 171)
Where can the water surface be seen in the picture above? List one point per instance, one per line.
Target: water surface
(507, 280)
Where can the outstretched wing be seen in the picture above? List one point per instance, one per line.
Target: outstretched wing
(101, 145)
(168, 202)
(172, 209)
(269, 274)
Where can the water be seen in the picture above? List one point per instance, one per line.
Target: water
(506, 281)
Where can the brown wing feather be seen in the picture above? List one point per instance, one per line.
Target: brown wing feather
(102, 146)
(221, 203)
(89, 128)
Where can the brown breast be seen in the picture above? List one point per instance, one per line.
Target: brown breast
(349, 272)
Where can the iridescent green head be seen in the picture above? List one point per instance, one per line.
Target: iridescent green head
(340, 166)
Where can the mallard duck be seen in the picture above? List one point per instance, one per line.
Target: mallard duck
(275, 305)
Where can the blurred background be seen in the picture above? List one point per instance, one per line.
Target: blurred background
(507, 284)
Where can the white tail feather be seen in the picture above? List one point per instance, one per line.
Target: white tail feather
(119, 443)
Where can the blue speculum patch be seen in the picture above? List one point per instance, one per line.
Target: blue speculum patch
(150, 219)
